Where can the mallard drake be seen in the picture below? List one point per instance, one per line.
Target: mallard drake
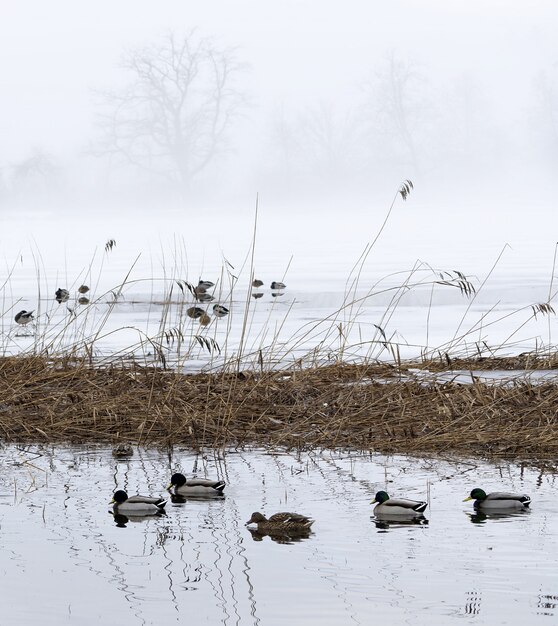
(205, 284)
(136, 505)
(121, 450)
(61, 295)
(195, 487)
(219, 310)
(204, 297)
(397, 506)
(24, 317)
(278, 285)
(281, 523)
(257, 283)
(498, 500)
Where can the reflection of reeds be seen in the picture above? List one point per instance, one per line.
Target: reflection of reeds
(357, 406)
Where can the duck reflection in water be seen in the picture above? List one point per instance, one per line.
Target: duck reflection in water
(480, 517)
(286, 537)
(122, 520)
(392, 523)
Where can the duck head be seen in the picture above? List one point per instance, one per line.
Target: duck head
(476, 494)
(380, 498)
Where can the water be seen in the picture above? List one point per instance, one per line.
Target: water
(65, 560)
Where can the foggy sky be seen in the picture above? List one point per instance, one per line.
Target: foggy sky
(301, 57)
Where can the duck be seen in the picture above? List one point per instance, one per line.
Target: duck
(219, 310)
(498, 500)
(205, 284)
(257, 283)
(257, 295)
(136, 505)
(281, 523)
(121, 450)
(204, 297)
(205, 319)
(24, 317)
(83, 289)
(278, 285)
(195, 487)
(195, 312)
(61, 295)
(402, 507)
(83, 300)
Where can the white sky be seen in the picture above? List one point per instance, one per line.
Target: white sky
(53, 54)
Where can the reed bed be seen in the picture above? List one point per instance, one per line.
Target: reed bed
(364, 407)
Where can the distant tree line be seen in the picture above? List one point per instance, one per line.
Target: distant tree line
(175, 121)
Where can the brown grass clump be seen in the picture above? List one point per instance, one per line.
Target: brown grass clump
(366, 407)
(525, 361)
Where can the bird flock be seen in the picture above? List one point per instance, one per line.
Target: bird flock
(495, 502)
(296, 525)
(180, 488)
(200, 292)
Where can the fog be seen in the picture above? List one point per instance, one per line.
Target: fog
(480, 103)
(325, 109)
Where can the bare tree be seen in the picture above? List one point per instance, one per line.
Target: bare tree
(173, 116)
(396, 107)
(331, 139)
(37, 173)
(320, 143)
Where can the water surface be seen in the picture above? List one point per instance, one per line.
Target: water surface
(65, 560)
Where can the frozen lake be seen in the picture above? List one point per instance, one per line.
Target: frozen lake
(199, 563)
(314, 256)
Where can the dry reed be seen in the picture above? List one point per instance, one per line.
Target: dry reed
(365, 407)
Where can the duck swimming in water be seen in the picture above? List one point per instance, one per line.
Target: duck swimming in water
(402, 507)
(195, 487)
(280, 522)
(498, 500)
(136, 505)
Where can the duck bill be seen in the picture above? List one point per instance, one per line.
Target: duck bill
(467, 499)
(113, 501)
(374, 502)
(169, 487)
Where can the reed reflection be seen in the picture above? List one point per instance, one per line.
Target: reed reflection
(473, 603)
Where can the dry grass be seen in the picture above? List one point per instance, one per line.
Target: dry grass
(366, 407)
(526, 361)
